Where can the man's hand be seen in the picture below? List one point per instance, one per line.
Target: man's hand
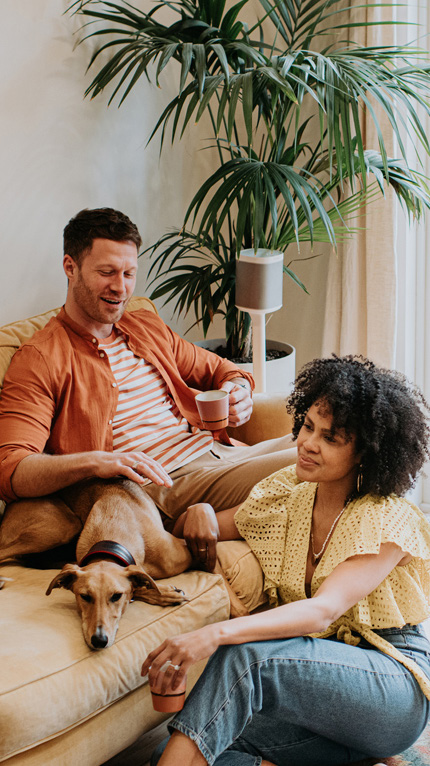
(240, 402)
(201, 532)
(134, 465)
(42, 474)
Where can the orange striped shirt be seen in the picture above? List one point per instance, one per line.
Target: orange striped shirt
(147, 418)
(60, 395)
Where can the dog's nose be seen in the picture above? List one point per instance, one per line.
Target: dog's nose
(99, 640)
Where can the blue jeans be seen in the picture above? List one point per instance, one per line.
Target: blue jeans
(306, 701)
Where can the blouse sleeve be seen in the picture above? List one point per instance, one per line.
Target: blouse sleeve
(404, 596)
(372, 521)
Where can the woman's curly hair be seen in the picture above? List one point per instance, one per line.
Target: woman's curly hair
(387, 414)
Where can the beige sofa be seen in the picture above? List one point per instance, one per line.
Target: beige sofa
(61, 703)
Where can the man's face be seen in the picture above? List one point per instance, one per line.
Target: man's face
(100, 288)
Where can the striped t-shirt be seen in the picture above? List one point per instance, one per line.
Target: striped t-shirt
(147, 418)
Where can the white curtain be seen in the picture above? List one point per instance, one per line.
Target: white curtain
(360, 314)
(378, 295)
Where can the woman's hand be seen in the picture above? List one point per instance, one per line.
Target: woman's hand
(181, 652)
(201, 533)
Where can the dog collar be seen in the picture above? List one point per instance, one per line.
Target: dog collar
(119, 552)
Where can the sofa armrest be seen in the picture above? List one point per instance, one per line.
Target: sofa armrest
(269, 420)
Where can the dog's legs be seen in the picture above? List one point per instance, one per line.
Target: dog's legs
(36, 525)
(120, 510)
(175, 556)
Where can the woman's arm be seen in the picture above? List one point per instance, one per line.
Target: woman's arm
(349, 582)
(202, 528)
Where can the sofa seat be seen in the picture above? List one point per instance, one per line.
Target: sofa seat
(51, 682)
(63, 703)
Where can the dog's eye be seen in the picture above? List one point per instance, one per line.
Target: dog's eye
(86, 597)
(116, 597)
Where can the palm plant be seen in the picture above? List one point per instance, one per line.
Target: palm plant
(283, 177)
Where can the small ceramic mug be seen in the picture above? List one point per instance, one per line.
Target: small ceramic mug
(172, 700)
(213, 409)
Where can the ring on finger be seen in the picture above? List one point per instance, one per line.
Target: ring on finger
(172, 665)
(203, 550)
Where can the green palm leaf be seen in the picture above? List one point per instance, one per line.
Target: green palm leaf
(283, 177)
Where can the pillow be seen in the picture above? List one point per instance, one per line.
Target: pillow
(243, 572)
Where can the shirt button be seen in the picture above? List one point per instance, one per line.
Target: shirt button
(101, 354)
(113, 385)
(110, 423)
(94, 340)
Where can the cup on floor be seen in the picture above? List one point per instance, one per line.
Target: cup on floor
(213, 409)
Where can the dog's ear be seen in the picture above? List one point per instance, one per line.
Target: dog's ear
(64, 579)
(139, 578)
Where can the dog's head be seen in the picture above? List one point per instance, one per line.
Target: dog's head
(103, 590)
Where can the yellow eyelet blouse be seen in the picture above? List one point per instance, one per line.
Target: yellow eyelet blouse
(275, 520)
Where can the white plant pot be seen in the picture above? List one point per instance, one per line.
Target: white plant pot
(280, 373)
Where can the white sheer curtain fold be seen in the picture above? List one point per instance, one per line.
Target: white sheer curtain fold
(378, 294)
(360, 314)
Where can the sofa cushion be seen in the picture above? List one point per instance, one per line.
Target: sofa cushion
(51, 682)
(243, 572)
(269, 420)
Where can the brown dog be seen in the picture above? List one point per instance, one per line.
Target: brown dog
(120, 530)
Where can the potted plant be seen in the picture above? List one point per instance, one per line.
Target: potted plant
(283, 176)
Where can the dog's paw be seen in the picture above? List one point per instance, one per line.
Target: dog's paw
(165, 595)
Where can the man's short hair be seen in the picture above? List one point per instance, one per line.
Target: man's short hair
(101, 223)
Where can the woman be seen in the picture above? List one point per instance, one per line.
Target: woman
(340, 670)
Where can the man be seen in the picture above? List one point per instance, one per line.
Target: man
(101, 394)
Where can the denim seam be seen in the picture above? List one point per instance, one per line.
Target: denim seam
(206, 753)
(184, 729)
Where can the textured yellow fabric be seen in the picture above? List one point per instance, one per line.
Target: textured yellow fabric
(276, 519)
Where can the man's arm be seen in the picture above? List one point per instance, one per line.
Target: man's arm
(42, 474)
(203, 369)
(28, 408)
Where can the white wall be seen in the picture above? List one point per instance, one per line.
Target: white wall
(61, 153)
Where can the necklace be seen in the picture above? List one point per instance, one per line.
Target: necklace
(318, 556)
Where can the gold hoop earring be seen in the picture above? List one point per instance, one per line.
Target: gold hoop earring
(360, 479)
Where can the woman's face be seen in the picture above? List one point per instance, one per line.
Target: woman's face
(324, 455)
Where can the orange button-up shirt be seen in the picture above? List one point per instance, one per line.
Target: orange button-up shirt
(60, 395)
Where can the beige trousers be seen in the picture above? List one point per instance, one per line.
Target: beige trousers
(222, 477)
